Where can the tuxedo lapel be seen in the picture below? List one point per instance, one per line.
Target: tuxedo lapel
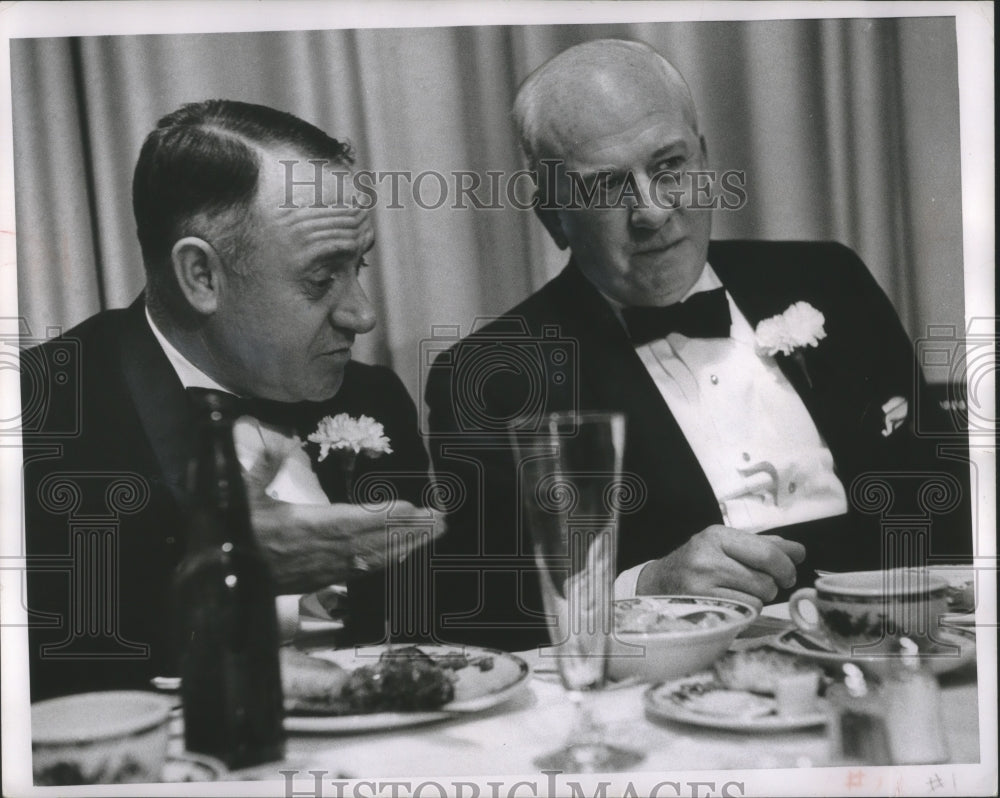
(163, 408)
(357, 396)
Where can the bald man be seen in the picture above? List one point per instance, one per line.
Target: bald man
(743, 454)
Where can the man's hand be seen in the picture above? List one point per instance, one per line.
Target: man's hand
(311, 546)
(724, 562)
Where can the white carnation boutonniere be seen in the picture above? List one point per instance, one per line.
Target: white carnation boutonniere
(801, 325)
(788, 333)
(350, 437)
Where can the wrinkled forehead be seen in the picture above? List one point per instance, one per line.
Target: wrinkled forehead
(306, 205)
(593, 102)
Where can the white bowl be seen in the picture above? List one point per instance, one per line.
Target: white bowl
(653, 656)
(99, 738)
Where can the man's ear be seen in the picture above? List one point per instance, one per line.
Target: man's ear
(550, 218)
(198, 271)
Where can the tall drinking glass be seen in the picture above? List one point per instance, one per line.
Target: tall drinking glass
(568, 483)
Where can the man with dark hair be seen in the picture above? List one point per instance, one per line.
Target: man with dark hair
(253, 289)
(767, 386)
(197, 171)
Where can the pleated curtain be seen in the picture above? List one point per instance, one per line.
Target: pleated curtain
(846, 129)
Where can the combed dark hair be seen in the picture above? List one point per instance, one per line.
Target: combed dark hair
(197, 175)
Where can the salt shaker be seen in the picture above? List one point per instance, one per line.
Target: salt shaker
(913, 711)
(858, 734)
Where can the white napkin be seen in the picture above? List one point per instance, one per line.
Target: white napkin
(295, 481)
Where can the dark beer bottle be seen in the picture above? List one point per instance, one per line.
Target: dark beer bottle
(224, 597)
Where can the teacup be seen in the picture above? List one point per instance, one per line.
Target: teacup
(99, 738)
(868, 612)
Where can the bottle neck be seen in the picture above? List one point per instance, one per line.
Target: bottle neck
(217, 489)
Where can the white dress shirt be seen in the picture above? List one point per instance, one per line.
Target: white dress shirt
(761, 452)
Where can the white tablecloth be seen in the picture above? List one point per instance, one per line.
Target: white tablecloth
(505, 739)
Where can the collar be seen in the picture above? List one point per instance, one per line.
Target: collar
(187, 372)
(708, 280)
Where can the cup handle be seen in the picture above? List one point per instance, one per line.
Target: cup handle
(807, 595)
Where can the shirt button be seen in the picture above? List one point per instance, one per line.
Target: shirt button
(714, 379)
(791, 487)
(746, 457)
(171, 540)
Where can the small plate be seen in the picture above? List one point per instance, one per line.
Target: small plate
(191, 767)
(673, 701)
(811, 648)
(475, 690)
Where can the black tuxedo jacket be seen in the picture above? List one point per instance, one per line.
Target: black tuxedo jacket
(564, 349)
(108, 433)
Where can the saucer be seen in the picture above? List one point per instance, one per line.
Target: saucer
(678, 701)
(957, 647)
(191, 767)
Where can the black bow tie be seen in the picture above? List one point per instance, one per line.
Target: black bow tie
(300, 416)
(703, 315)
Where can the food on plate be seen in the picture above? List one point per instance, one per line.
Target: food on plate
(450, 661)
(404, 679)
(456, 660)
(637, 618)
(752, 684)
(311, 682)
(759, 670)
(713, 698)
(401, 681)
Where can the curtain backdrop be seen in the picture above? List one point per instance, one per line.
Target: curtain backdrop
(847, 130)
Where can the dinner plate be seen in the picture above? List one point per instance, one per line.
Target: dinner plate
(958, 648)
(475, 689)
(674, 701)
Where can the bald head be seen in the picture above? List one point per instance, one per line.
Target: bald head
(616, 122)
(591, 90)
